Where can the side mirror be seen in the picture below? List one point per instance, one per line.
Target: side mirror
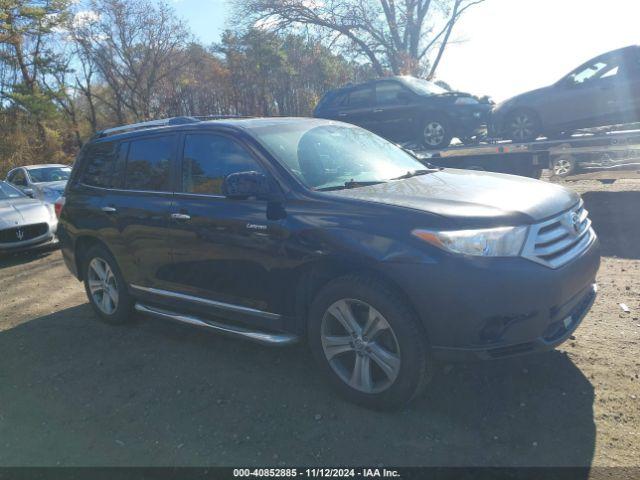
(243, 185)
(29, 192)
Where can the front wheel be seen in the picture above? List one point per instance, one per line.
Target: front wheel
(523, 126)
(368, 343)
(435, 133)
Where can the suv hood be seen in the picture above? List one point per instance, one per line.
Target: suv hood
(488, 198)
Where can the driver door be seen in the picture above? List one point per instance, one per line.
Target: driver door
(226, 251)
(592, 95)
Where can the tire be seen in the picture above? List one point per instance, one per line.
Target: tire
(563, 166)
(435, 132)
(523, 126)
(101, 273)
(398, 343)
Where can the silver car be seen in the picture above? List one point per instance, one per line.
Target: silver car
(25, 223)
(44, 182)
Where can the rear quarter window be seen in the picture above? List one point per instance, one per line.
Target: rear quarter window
(333, 100)
(99, 162)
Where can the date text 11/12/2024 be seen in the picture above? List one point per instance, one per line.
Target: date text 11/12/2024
(316, 473)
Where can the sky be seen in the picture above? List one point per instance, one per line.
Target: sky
(502, 47)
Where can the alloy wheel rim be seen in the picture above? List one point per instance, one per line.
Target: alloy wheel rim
(103, 286)
(562, 167)
(522, 127)
(360, 346)
(433, 133)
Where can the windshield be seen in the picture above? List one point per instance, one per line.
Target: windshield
(333, 156)
(49, 174)
(599, 69)
(423, 87)
(7, 191)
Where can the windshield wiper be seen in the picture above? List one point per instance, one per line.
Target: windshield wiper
(349, 184)
(415, 173)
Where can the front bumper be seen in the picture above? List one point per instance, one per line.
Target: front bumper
(493, 308)
(559, 330)
(496, 123)
(48, 241)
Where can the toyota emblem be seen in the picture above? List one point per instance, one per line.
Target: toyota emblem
(575, 222)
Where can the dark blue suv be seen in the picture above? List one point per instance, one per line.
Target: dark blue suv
(278, 229)
(408, 109)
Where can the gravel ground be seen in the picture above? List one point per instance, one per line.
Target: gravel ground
(77, 392)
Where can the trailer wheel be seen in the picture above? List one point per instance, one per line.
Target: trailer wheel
(563, 166)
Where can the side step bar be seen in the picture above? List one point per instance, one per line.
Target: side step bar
(264, 338)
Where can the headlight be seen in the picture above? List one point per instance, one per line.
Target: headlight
(494, 242)
(52, 211)
(466, 101)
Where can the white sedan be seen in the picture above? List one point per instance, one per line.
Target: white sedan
(25, 223)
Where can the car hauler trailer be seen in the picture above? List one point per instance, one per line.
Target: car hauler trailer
(601, 154)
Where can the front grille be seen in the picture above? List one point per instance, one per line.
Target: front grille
(556, 242)
(23, 234)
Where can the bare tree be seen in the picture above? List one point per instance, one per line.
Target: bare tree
(134, 45)
(395, 35)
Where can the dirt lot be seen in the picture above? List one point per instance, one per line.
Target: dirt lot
(76, 392)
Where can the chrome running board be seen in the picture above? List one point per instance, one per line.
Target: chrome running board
(264, 338)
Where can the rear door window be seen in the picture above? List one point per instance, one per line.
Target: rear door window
(361, 97)
(209, 158)
(149, 164)
(387, 93)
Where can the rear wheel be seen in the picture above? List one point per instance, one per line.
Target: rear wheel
(523, 126)
(105, 287)
(369, 343)
(436, 132)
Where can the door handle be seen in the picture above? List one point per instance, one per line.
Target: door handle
(378, 110)
(180, 216)
(342, 114)
(108, 209)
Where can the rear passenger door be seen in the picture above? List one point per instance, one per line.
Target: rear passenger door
(393, 113)
(224, 250)
(124, 197)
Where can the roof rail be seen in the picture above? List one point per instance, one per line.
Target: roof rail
(220, 117)
(151, 124)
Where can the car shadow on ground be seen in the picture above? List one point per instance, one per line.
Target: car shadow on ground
(616, 220)
(77, 392)
(21, 258)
